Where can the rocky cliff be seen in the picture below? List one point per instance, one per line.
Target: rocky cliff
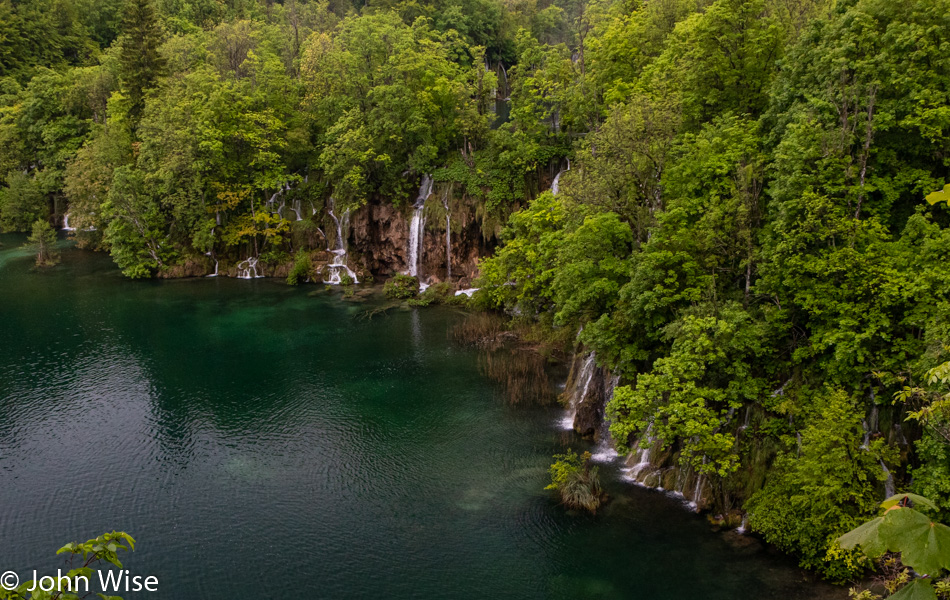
(379, 235)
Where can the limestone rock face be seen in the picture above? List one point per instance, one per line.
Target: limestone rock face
(379, 238)
(378, 241)
(589, 413)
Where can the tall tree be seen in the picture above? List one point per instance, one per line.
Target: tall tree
(141, 63)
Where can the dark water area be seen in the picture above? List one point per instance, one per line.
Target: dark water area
(266, 441)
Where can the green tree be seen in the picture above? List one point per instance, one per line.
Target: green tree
(141, 61)
(21, 203)
(822, 488)
(43, 240)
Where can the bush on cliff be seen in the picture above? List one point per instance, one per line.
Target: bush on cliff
(401, 287)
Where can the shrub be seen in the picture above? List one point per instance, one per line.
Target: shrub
(301, 269)
(401, 287)
(576, 481)
(439, 293)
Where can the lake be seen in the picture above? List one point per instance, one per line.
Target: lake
(266, 441)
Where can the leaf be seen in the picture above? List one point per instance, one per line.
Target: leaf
(918, 589)
(917, 500)
(939, 196)
(923, 544)
(868, 536)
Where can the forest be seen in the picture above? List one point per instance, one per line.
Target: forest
(747, 226)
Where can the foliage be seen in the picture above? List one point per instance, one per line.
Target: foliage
(92, 553)
(438, 293)
(401, 287)
(43, 241)
(300, 272)
(821, 488)
(576, 481)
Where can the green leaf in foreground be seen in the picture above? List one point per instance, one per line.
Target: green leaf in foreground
(868, 536)
(924, 545)
(918, 589)
(916, 499)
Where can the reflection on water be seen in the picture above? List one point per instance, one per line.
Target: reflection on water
(254, 437)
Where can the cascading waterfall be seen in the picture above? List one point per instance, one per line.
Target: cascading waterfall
(644, 470)
(555, 185)
(215, 274)
(888, 483)
(605, 451)
(247, 268)
(66, 226)
(641, 456)
(279, 193)
(744, 526)
(585, 376)
(338, 266)
(698, 490)
(494, 94)
(417, 226)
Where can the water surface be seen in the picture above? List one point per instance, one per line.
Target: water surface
(267, 441)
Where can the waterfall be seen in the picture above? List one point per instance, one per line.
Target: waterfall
(66, 226)
(585, 376)
(744, 527)
(338, 266)
(605, 451)
(467, 292)
(698, 490)
(555, 185)
(417, 226)
(642, 455)
(215, 274)
(888, 483)
(281, 190)
(247, 268)
(296, 209)
(493, 99)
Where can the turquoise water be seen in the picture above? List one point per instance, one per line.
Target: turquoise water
(266, 441)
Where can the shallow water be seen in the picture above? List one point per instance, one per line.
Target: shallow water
(266, 441)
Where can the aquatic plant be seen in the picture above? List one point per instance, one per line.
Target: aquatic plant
(577, 482)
